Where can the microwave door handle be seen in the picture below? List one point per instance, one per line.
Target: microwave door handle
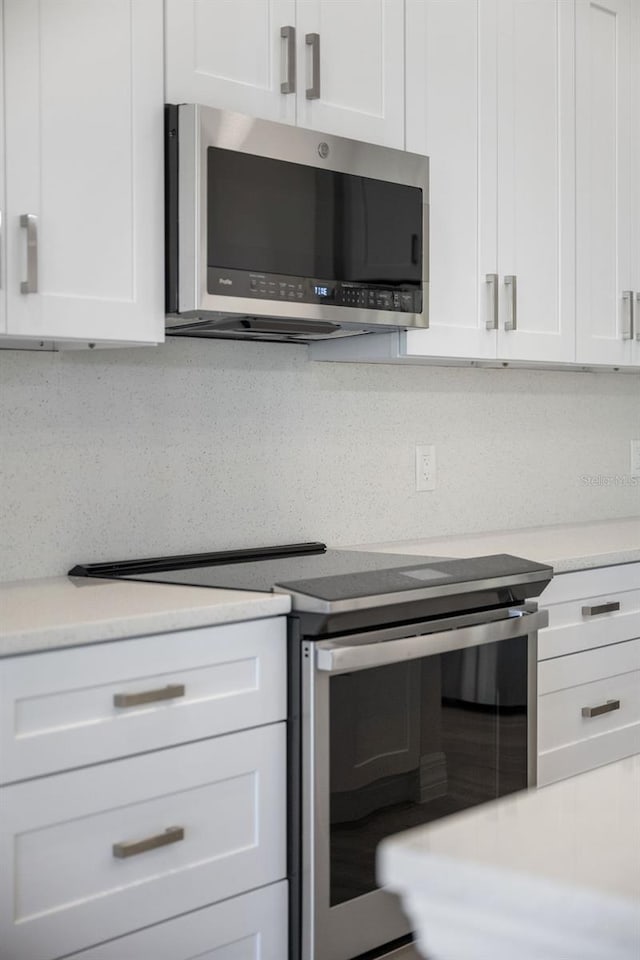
(336, 657)
(415, 248)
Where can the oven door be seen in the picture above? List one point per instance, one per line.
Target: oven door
(402, 726)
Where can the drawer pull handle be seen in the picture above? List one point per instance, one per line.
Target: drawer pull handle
(599, 608)
(171, 692)
(607, 707)
(131, 848)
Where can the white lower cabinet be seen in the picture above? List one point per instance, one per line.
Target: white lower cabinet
(250, 927)
(589, 672)
(156, 796)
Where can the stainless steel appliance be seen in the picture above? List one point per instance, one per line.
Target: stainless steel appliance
(274, 232)
(412, 696)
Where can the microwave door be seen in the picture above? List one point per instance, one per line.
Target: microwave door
(382, 232)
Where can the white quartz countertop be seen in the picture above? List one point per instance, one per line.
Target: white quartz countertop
(566, 547)
(69, 611)
(551, 873)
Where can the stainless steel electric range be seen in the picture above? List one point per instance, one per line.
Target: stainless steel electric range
(411, 697)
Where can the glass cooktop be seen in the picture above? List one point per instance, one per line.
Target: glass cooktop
(310, 572)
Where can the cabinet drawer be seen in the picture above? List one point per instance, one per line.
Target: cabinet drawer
(250, 927)
(64, 885)
(606, 683)
(591, 621)
(69, 708)
(594, 582)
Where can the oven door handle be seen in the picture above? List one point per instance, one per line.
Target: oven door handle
(339, 656)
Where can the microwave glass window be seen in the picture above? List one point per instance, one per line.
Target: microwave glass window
(412, 742)
(274, 217)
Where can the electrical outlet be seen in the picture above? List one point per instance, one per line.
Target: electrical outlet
(635, 458)
(425, 466)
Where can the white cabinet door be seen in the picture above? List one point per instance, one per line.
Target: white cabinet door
(451, 117)
(359, 72)
(231, 55)
(84, 135)
(536, 155)
(603, 197)
(490, 99)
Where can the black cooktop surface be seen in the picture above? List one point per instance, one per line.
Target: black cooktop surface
(331, 576)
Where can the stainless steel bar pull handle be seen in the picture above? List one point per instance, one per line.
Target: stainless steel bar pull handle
(627, 314)
(594, 610)
(30, 222)
(131, 848)
(492, 317)
(289, 35)
(170, 692)
(636, 316)
(512, 322)
(607, 707)
(313, 40)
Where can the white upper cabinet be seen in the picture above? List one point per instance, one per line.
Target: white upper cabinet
(230, 54)
(451, 117)
(605, 271)
(490, 99)
(329, 65)
(84, 221)
(351, 68)
(536, 162)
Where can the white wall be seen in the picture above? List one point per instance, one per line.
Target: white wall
(206, 445)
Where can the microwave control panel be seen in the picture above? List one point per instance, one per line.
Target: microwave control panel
(272, 286)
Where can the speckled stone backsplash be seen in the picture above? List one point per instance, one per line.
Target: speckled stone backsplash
(208, 445)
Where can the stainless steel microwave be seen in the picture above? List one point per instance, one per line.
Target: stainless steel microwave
(278, 233)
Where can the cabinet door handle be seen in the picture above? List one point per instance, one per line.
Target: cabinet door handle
(607, 707)
(636, 316)
(627, 314)
(598, 608)
(170, 692)
(492, 280)
(30, 222)
(131, 848)
(289, 34)
(512, 322)
(313, 40)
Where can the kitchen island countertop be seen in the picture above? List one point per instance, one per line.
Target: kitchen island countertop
(58, 612)
(551, 873)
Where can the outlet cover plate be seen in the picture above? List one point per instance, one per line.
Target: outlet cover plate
(425, 466)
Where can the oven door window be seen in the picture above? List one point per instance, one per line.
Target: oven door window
(415, 741)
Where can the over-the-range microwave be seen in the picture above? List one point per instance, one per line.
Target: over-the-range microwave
(278, 233)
